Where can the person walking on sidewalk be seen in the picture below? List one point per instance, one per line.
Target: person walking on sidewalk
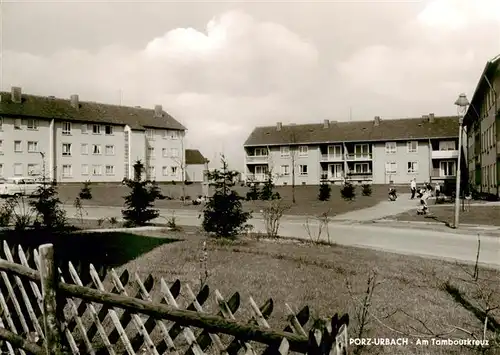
(413, 188)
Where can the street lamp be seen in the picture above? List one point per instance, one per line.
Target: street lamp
(462, 104)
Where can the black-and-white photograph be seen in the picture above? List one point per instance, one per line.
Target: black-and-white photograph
(250, 177)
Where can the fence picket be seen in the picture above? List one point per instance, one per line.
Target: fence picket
(136, 319)
(93, 312)
(24, 294)
(297, 328)
(9, 346)
(187, 332)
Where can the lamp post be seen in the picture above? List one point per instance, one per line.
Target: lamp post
(462, 104)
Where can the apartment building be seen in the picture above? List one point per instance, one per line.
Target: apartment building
(74, 141)
(482, 124)
(378, 151)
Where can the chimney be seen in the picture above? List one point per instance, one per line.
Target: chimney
(278, 126)
(326, 123)
(158, 111)
(16, 94)
(75, 103)
(431, 117)
(376, 120)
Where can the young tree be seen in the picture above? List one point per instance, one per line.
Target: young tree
(181, 164)
(293, 159)
(324, 191)
(223, 215)
(267, 191)
(139, 202)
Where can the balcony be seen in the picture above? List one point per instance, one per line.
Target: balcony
(358, 157)
(366, 176)
(331, 157)
(444, 154)
(256, 177)
(438, 174)
(256, 159)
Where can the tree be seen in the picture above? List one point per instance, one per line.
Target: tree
(139, 202)
(348, 191)
(181, 163)
(325, 191)
(85, 192)
(266, 193)
(223, 215)
(293, 158)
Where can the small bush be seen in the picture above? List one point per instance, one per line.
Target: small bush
(367, 190)
(113, 221)
(85, 192)
(6, 212)
(348, 191)
(172, 223)
(272, 215)
(254, 192)
(325, 192)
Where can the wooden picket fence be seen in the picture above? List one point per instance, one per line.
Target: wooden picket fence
(42, 313)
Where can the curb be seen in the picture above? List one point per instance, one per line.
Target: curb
(462, 226)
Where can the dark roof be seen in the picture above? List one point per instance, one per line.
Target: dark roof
(193, 156)
(61, 109)
(490, 70)
(356, 131)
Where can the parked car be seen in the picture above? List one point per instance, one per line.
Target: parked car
(17, 186)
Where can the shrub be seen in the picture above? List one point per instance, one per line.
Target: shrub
(6, 213)
(272, 215)
(325, 191)
(367, 190)
(139, 202)
(348, 191)
(85, 192)
(223, 215)
(267, 193)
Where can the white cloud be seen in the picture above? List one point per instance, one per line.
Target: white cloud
(219, 82)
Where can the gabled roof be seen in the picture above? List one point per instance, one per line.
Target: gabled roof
(193, 157)
(61, 109)
(356, 131)
(491, 68)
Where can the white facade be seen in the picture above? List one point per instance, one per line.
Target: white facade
(81, 151)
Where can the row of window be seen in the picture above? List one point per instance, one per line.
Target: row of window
(32, 169)
(31, 146)
(96, 149)
(488, 138)
(31, 124)
(174, 152)
(489, 176)
(165, 133)
(392, 167)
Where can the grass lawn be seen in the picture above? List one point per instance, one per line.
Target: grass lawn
(411, 288)
(483, 215)
(307, 202)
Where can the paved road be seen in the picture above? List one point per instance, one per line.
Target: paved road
(437, 244)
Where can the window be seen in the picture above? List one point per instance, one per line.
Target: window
(361, 151)
(110, 150)
(164, 133)
(18, 169)
(164, 152)
(303, 169)
(110, 170)
(17, 123)
(151, 152)
(390, 147)
(151, 172)
(447, 145)
(66, 128)
(85, 128)
(150, 133)
(173, 170)
(285, 151)
(260, 152)
(33, 169)
(84, 149)
(412, 147)
(96, 129)
(447, 168)
(1, 146)
(66, 170)
(164, 170)
(108, 130)
(412, 167)
(96, 149)
(303, 151)
(335, 151)
(391, 168)
(174, 152)
(85, 169)
(66, 149)
(361, 168)
(32, 124)
(17, 147)
(285, 170)
(32, 147)
(174, 134)
(96, 170)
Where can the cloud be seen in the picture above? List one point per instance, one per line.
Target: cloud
(219, 82)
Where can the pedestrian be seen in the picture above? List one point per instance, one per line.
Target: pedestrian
(413, 188)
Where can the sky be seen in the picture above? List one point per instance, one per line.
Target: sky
(223, 67)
